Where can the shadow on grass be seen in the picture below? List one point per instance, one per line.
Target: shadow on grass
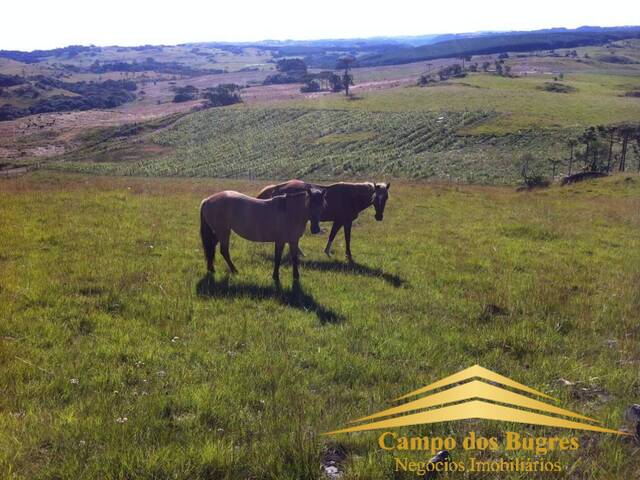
(294, 297)
(354, 268)
(351, 267)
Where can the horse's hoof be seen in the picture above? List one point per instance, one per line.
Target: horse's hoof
(327, 253)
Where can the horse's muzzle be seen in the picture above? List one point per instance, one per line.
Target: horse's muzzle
(378, 217)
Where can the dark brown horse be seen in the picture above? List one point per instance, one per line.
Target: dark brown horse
(344, 201)
(281, 219)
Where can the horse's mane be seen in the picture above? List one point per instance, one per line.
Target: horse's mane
(280, 201)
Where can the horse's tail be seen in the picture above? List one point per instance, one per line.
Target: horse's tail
(209, 239)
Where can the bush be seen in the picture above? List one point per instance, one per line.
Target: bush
(222, 95)
(531, 172)
(290, 70)
(556, 87)
(310, 86)
(426, 79)
(150, 65)
(108, 94)
(616, 59)
(452, 71)
(10, 80)
(185, 94)
(9, 112)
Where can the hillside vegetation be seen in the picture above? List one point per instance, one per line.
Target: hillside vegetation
(473, 129)
(121, 360)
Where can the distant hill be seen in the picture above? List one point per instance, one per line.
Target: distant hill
(503, 42)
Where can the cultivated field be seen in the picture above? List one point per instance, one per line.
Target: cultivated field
(503, 117)
(122, 360)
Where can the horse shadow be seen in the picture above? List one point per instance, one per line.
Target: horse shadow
(351, 267)
(354, 268)
(294, 297)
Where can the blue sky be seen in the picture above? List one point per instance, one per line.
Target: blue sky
(29, 25)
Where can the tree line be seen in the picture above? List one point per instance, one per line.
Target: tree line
(294, 70)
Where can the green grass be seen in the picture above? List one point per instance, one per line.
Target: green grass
(520, 103)
(101, 281)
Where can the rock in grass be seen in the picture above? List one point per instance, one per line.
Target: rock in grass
(632, 419)
(332, 460)
(442, 457)
(490, 311)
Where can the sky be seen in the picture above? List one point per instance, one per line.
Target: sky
(28, 25)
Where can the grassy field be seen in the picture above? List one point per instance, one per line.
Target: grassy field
(520, 102)
(120, 359)
(472, 130)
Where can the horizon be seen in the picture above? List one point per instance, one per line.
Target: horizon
(266, 41)
(143, 23)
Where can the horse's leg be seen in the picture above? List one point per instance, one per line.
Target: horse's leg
(294, 250)
(224, 250)
(276, 260)
(334, 231)
(347, 239)
(211, 262)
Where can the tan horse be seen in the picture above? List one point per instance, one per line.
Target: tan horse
(281, 220)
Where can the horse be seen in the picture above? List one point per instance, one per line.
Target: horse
(281, 219)
(344, 202)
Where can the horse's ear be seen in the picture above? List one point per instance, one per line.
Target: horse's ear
(375, 185)
(388, 186)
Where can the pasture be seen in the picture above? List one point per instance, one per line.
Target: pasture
(120, 359)
(520, 102)
(472, 130)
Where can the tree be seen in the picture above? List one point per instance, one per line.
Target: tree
(289, 70)
(554, 165)
(223, 94)
(625, 133)
(572, 144)
(454, 70)
(310, 86)
(608, 132)
(464, 58)
(530, 172)
(588, 138)
(335, 83)
(326, 79)
(485, 66)
(346, 63)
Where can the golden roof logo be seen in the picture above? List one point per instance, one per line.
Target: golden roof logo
(474, 400)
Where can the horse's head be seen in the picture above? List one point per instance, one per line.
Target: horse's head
(317, 204)
(380, 197)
